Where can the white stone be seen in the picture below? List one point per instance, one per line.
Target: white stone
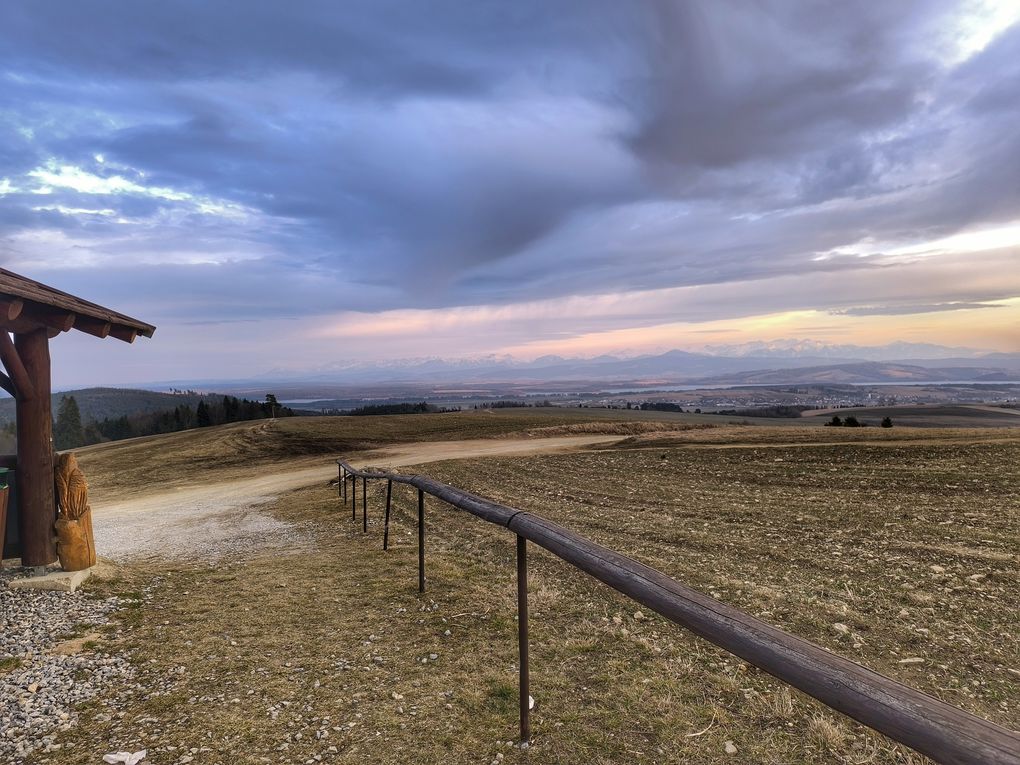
(60, 581)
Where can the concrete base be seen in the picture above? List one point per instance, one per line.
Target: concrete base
(60, 581)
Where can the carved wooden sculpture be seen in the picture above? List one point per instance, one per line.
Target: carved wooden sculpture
(76, 547)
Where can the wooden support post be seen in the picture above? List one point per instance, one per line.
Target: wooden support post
(19, 376)
(421, 541)
(339, 481)
(37, 507)
(346, 477)
(364, 504)
(354, 498)
(522, 638)
(386, 522)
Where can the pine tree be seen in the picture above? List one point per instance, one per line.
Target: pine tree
(202, 418)
(68, 432)
(231, 409)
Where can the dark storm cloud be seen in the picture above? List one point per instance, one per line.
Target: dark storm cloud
(372, 155)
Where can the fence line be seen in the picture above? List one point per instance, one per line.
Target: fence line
(932, 727)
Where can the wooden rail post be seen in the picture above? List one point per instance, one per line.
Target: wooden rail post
(421, 541)
(354, 498)
(522, 638)
(340, 480)
(386, 522)
(364, 504)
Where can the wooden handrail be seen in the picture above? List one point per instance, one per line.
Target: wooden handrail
(932, 727)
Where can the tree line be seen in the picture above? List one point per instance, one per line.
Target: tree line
(852, 422)
(69, 432)
(421, 407)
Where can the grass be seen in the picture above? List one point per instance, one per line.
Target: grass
(881, 551)
(141, 465)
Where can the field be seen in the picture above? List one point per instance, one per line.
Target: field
(895, 548)
(929, 415)
(233, 451)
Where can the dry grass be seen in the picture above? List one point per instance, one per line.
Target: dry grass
(615, 428)
(910, 548)
(125, 468)
(826, 733)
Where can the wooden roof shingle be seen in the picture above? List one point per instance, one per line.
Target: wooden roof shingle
(26, 304)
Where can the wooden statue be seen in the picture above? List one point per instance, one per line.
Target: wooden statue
(76, 546)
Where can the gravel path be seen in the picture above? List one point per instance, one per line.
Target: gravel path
(40, 686)
(211, 521)
(200, 522)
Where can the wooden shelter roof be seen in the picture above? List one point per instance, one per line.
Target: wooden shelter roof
(26, 305)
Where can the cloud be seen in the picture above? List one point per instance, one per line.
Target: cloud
(196, 164)
(905, 310)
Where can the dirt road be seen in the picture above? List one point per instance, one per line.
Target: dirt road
(226, 517)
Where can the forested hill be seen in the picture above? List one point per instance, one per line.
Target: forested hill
(98, 404)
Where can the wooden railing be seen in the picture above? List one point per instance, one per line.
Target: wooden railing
(941, 731)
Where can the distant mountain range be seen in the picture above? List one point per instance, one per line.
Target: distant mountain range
(780, 362)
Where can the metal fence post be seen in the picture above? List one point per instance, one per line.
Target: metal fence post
(522, 637)
(354, 498)
(386, 523)
(364, 504)
(421, 541)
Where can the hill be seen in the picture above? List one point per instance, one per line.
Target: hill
(101, 403)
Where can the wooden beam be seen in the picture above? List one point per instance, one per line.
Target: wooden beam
(20, 324)
(54, 318)
(8, 385)
(11, 308)
(37, 506)
(92, 326)
(15, 368)
(121, 332)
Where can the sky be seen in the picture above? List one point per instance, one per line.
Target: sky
(296, 185)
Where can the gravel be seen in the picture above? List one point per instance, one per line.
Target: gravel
(39, 688)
